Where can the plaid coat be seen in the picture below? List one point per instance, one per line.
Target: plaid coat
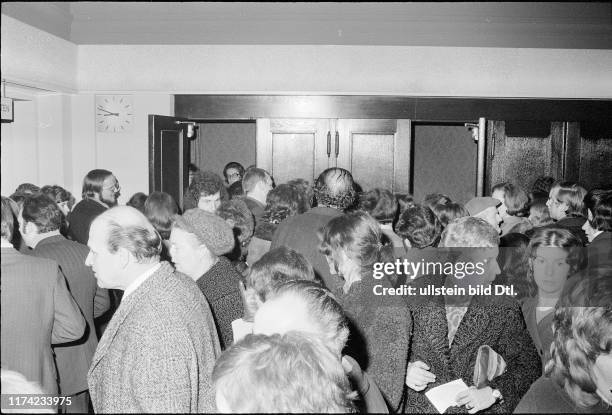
(158, 351)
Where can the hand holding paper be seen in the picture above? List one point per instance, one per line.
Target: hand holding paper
(443, 396)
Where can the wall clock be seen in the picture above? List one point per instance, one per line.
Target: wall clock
(114, 113)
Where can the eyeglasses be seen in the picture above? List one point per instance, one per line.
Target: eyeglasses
(115, 187)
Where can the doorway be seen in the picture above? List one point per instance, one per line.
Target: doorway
(444, 160)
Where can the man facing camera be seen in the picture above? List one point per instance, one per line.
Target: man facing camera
(158, 351)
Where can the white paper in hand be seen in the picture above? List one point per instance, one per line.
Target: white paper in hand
(443, 396)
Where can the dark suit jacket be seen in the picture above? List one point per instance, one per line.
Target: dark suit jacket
(300, 233)
(495, 321)
(80, 218)
(158, 351)
(599, 251)
(73, 359)
(256, 207)
(37, 311)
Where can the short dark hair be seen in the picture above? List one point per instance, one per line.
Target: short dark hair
(160, 208)
(542, 185)
(235, 190)
(137, 201)
(8, 219)
(282, 201)
(381, 204)
(94, 182)
(233, 165)
(27, 188)
(515, 199)
(59, 194)
(335, 188)
(446, 213)
(599, 202)
(206, 183)
(43, 212)
(433, 199)
(420, 226)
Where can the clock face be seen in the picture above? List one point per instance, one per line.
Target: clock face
(114, 113)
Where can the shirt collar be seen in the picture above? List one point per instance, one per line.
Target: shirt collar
(138, 281)
(5, 244)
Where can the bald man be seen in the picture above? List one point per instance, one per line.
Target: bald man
(159, 349)
(334, 192)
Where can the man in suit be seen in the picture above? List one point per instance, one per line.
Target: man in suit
(451, 327)
(334, 192)
(256, 184)
(37, 311)
(40, 221)
(159, 349)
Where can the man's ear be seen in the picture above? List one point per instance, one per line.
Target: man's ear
(563, 207)
(30, 228)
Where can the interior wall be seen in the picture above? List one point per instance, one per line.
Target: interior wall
(220, 143)
(444, 161)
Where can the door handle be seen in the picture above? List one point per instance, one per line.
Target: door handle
(337, 143)
(328, 144)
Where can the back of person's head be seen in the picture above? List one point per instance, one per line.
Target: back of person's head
(335, 188)
(304, 306)
(513, 261)
(252, 176)
(539, 215)
(27, 189)
(93, 183)
(60, 195)
(43, 212)
(282, 201)
(381, 204)
(433, 199)
(206, 183)
(582, 327)
(469, 232)
(236, 166)
(292, 373)
(235, 190)
(14, 383)
(237, 215)
(515, 199)
(419, 226)
(137, 201)
(572, 195)
(542, 185)
(160, 208)
(599, 205)
(448, 212)
(359, 236)
(7, 224)
(275, 267)
(305, 191)
(128, 228)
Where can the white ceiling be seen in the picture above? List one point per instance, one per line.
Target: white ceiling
(520, 25)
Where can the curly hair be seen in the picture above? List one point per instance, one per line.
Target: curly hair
(335, 188)
(43, 212)
(237, 214)
(469, 232)
(305, 191)
(380, 203)
(582, 326)
(292, 373)
(59, 194)
(207, 183)
(599, 203)
(282, 201)
(420, 226)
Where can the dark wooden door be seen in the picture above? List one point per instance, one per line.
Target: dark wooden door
(375, 151)
(168, 156)
(293, 148)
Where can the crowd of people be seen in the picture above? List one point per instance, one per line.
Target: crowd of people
(251, 296)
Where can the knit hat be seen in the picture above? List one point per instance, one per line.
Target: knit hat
(478, 204)
(210, 229)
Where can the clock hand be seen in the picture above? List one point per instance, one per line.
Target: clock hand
(110, 113)
(116, 114)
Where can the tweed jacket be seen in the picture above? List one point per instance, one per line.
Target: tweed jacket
(37, 311)
(300, 233)
(79, 220)
(73, 359)
(379, 336)
(495, 321)
(220, 286)
(158, 351)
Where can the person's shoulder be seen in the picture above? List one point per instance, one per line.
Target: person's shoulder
(544, 396)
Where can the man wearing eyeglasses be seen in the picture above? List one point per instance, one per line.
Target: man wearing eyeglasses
(100, 191)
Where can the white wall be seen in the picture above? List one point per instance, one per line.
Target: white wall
(53, 138)
(303, 69)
